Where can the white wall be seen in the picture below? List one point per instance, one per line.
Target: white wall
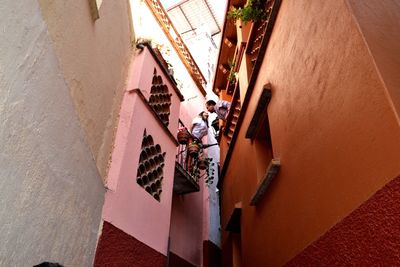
(51, 192)
(214, 233)
(94, 58)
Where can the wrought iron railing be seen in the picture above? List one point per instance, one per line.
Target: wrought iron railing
(257, 33)
(233, 115)
(191, 167)
(272, 8)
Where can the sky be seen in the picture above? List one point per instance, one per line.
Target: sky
(195, 39)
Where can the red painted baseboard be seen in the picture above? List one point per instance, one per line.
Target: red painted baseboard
(117, 248)
(369, 236)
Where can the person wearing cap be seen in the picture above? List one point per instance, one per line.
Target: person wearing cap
(221, 108)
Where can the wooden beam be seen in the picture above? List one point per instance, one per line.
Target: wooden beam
(271, 172)
(229, 42)
(177, 42)
(224, 68)
(260, 111)
(233, 224)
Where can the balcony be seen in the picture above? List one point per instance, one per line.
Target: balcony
(184, 183)
(233, 115)
(190, 168)
(259, 36)
(255, 50)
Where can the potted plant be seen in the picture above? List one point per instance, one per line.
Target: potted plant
(232, 77)
(142, 42)
(194, 149)
(202, 163)
(183, 136)
(253, 10)
(210, 174)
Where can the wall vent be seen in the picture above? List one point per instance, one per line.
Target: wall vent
(151, 165)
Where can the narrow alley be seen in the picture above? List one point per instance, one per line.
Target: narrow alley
(182, 133)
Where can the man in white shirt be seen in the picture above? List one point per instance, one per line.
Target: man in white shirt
(200, 125)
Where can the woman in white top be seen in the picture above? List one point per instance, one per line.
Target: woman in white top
(200, 125)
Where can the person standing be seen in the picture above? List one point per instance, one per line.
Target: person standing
(221, 108)
(199, 127)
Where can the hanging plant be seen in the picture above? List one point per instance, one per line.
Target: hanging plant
(202, 163)
(183, 136)
(253, 10)
(233, 75)
(142, 42)
(210, 173)
(194, 149)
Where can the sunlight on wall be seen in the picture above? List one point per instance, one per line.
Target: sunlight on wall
(99, 2)
(147, 28)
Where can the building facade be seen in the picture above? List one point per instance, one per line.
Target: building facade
(156, 206)
(89, 117)
(309, 155)
(59, 103)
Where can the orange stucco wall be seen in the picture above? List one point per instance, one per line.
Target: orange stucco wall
(333, 127)
(379, 22)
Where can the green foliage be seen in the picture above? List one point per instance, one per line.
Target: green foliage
(196, 142)
(252, 11)
(144, 41)
(209, 180)
(208, 173)
(233, 75)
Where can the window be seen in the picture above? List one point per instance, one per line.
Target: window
(259, 132)
(160, 98)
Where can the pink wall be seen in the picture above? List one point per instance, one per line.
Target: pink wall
(127, 205)
(189, 226)
(189, 222)
(186, 226)
(140, 76)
